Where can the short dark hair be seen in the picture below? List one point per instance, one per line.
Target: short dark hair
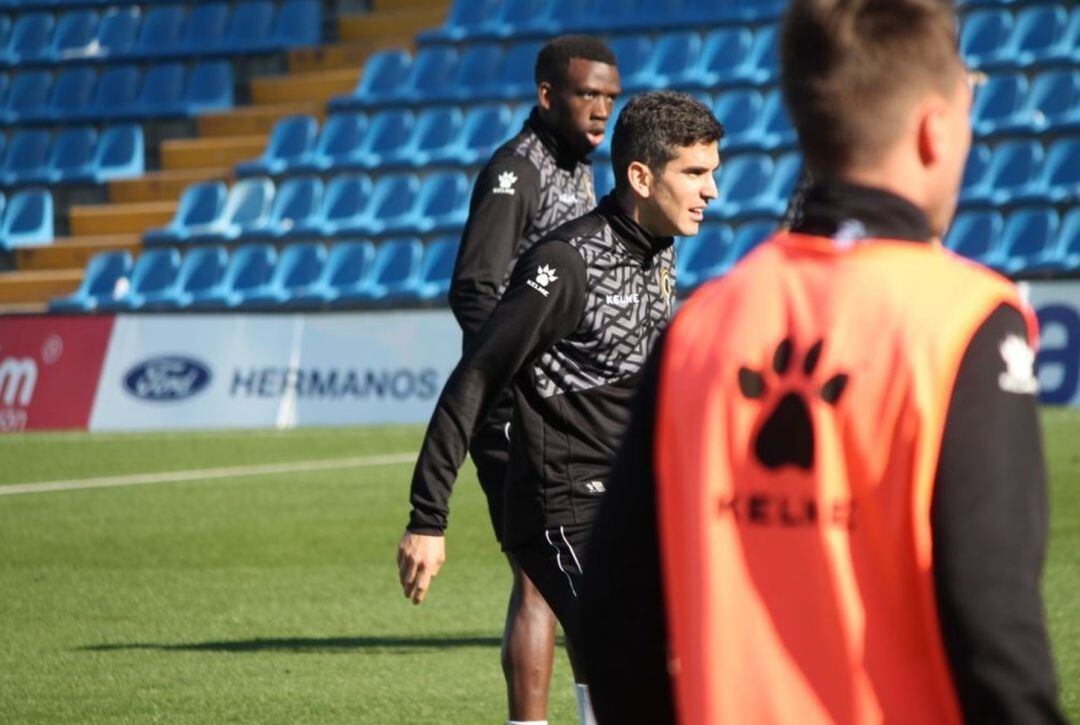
(851, 68)
(553, 60)
(654, 126)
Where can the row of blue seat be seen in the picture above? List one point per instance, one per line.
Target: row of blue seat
(21, 6)
(26, 219)
(1030, 241)
(1036, 36)
(166, 31)
(82, 94)
(255, 276)
(715, 249)
(1009, 104)
(74, 155)
(501, 19)
(484, 71)
(1022, 172)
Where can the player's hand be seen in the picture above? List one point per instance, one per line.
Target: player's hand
(419, 559)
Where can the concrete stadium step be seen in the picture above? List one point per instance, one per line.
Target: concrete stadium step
(315, 87)
(163, 185)
(73, 252)
(390, 22)
(37, 286)
(254, 120)
(133, 218)
(340, 55)
(216, 151)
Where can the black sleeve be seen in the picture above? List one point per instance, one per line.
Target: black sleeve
(989, 523)
(624, 625)
(504, 203)
(536, 311)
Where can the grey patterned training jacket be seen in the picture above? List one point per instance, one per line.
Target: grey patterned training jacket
(570, 337)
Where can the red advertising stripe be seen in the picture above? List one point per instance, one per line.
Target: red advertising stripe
(49, 370)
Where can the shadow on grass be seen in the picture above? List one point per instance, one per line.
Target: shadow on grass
(306, 644)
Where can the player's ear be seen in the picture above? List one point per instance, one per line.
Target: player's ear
(640, 177)
(932, 130)
(544, 93)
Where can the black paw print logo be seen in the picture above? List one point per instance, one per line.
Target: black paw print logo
(787, 437)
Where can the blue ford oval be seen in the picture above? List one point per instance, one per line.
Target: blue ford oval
(167, 378)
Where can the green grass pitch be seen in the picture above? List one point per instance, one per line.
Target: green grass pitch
(274, 598)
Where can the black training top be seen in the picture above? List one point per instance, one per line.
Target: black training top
(990, 479)
(569, 336)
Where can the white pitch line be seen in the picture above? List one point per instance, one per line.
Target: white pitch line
(141, 479)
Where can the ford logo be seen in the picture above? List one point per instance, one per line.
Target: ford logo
(167, 378)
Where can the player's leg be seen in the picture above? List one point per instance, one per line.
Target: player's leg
(528, 646)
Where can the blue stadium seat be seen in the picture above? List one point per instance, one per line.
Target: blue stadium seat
(250, 26)
(741, 112)
(200, 205)
(298, 23)
(249, 268)
(976, 235)
(743, 180)
(728, 11)
(474, 75)
(292, 139)
(201, 270)
(106, 275)
(344, 209)
(4, 86)
(1058, 181)
(436, 130)
(155, 271)
(120, 153)
(161, 33)
(298, 267)
(1029, 242)
(395, 269)
(75, 36)
(603, 179)
(441, 205)
(974, 180)
(339, 140)
(383, 73)
(433, 282)
(707, 255)
(673, 61)
(777, 131)
(725, 52)
(246, 209)
(297, 201)
(633, 53)
(1068, 251)
(764, 65)
(72, 156)
(160, 91)
(1039, 38)
(509, 19)
(27, 96)
(431, 72)
(28, 220)
(388, 131)
(118, 31)
(209, 88)
(485, 128)
(116, 94)
(5, 30)
(464, 17)
(29, 39)
(516, 79)
(984, 36)
(204, 33)
(1054, 102)
(1013, 166)
(71, 97)
(998, 105)
(26, 160)
(748, 237)
(347, 269)
(392, 201)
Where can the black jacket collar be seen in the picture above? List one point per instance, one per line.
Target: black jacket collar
(639, 243)
(565, 156)
(838, 208)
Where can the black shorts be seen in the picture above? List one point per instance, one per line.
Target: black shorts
(553, 560)
(490, 451)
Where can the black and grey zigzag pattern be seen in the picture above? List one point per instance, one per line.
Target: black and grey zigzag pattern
(626, 308)
(564, 194)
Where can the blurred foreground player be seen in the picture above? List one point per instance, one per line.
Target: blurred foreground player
(538, 180)
(569, 336)
(834, 477)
